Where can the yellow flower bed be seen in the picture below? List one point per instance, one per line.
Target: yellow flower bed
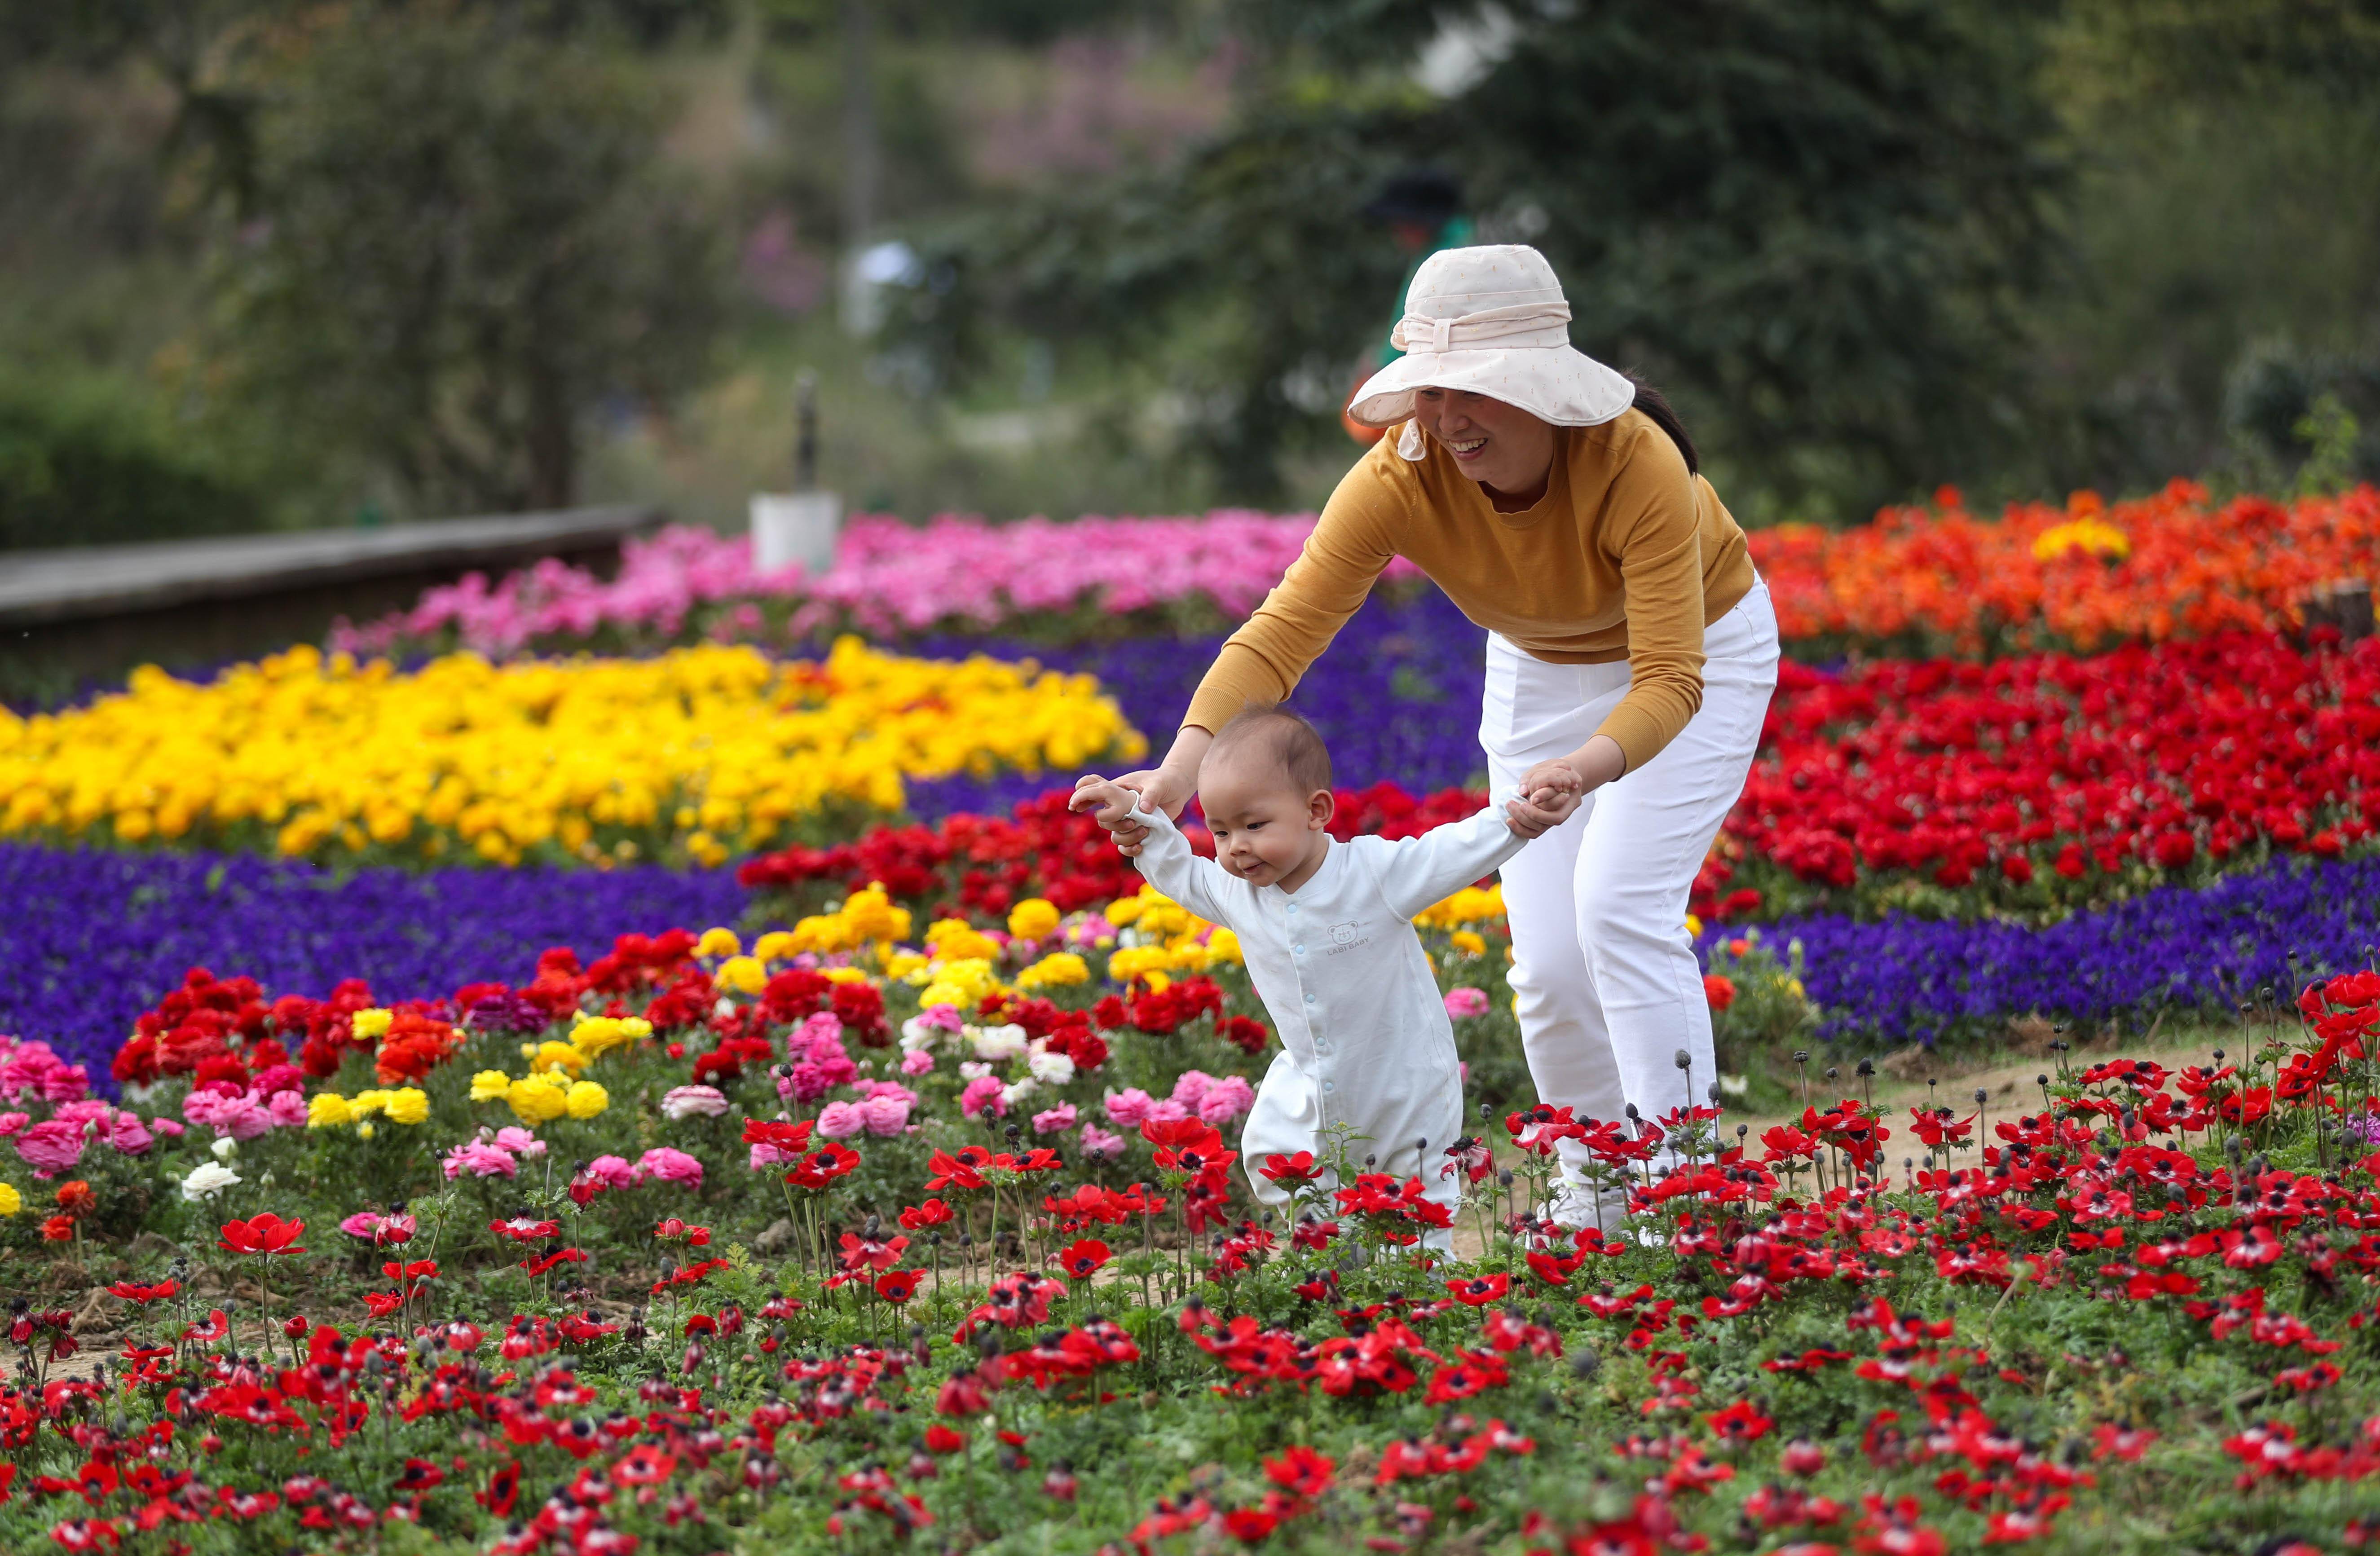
(702, 752)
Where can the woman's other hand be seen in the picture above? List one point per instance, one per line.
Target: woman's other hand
(1166, 788)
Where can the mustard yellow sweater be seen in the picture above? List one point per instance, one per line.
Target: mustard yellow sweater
(1627, 556)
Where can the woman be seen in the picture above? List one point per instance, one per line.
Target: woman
(1630, 656)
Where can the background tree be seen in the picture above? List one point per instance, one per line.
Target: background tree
(468, 244)
(1815, 222)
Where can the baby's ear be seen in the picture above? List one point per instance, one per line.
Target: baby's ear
(1320, 807)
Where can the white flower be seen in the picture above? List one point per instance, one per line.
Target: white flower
(225, 1149)
(1016, 1093)
(996, 1042)
(206, 1181)
(917, 1032)
(1052, 1069)
(686, 1102)
(970, 1070)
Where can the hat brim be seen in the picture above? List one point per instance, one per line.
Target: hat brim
(1561, 384)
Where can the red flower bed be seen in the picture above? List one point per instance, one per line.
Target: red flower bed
(2051, 765)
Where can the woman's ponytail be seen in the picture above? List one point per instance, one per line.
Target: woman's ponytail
(1657, 409)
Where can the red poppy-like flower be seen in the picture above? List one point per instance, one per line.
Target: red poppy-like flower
(77, 1199)
(133, 1291)
(263, 1235)
(790, 1139)
(521, 1229)
(940, 1438)
(1289, 1170)
(1081, 1259)
(58, 1229)
(502, 1489)
(916, 1218)
(1718, 989)
(1480, 1291)
(961, 1168)
(815, 1170)
(898, 1285)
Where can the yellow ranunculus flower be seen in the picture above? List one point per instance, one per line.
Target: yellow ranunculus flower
(538, 1099)
(586, 1099)
(365, 1131)
(774, 946)
(372, 1023)
(1061, 969)
(903, 965)
(1469, 941)
(1693, 925)
(953, 940)
(1032, 918)
(366, 1103)
(742, 975)
(409, 1105)
(551, 1055)
(11, 1200)
(597, 1034)
(488, 1086)
(846, 975)
(719, 942)
(328, 1109)
(1224, 946)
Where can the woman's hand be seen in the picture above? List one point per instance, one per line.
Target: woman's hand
(1166, 788)
(1553, 790)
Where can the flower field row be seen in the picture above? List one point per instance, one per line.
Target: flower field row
(697, 754)
(889, 579)
(2042, 781)
(1934, 579)
(2084, 575)
(885, 1233)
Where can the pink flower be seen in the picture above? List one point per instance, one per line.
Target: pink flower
(238, 1115)
(33, 1068)
(1055, 1120)
(1464, 1001)
(1191, 1088)
(612, 1171)
(519, 1141)
(887, 1114)
(52, 1146)
(982, 1092)
(1098, 1142)
(171, 1127)
(481, 1159)
(669, 1165)
(766, 1156)
(916, 1061)
(124, 1132)
(1128, 1107)
(281, 1077)
(287, 1109)
(1167, 1112)
(12, 1122)
(823, 1028)
(1226, 1100)
(690, 1102)
(841, 1120)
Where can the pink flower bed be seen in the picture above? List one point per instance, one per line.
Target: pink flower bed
(889, 578)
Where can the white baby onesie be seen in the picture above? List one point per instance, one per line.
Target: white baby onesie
(1364, 1030)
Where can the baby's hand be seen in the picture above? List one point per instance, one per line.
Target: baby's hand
(1111, 803)
(1525, 819)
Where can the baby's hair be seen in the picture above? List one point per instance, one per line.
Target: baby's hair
(1285, 738)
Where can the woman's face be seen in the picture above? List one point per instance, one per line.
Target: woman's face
(1500, 446)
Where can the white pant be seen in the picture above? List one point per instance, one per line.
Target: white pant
(1606, 985)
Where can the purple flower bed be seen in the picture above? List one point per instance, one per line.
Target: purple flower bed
(1396, 696)
(2204, 951)
(92, 938)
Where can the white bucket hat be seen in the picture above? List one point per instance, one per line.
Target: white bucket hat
(1491, 320)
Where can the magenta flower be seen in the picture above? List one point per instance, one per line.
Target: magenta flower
(481, 1159)
(612, 1171)
(1098, 1142)
(887, 1113)
(916, 1061)
(1054, 1121)
(1226, 1100)
(1464, 1002)
(1129, 1108)
(981, 1093)
(12, 1123)
(52, 1146)
(670, 1166)
(692, 1101)
(519, 1141)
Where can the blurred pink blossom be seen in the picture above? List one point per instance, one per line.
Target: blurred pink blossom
(1127, 1108)
(916, 1061)
(1098, 1142)
(669, 1165)
(52, 1146)
(841, 1120)
(982, 1092)
(1466, 1001)
(690, 1102)
(1054, 1121)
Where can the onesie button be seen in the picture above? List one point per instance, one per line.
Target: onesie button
(1330, 1086)
(1321, 1048)
(1309, 998)
(1299, 949)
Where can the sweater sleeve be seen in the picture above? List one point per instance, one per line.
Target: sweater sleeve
(1261, 662)
(1652, 525)
(1417, 872)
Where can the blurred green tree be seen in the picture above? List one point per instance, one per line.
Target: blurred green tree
(468, 244)
(1816, 221)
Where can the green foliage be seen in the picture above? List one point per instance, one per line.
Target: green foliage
(1811, 219)
(471, 242)
(85, 461)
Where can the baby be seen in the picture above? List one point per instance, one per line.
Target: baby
(1326, 929)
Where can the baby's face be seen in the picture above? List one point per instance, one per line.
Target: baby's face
(1265, 830)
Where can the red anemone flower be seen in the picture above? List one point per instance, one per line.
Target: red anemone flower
(265, 1235)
